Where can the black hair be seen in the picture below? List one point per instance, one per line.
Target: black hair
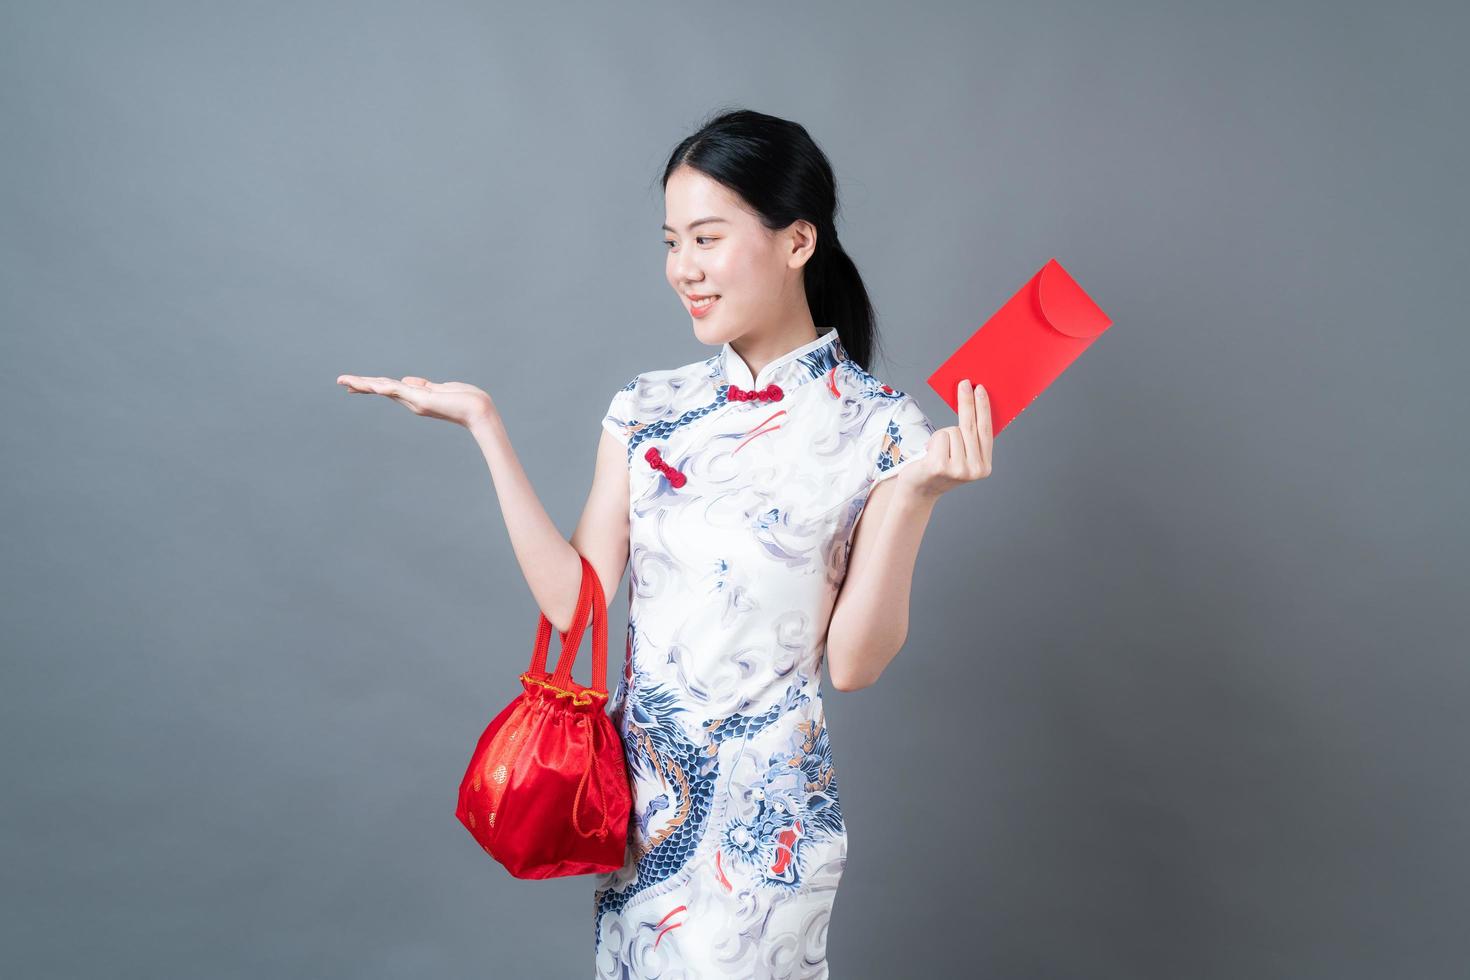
(779, 171)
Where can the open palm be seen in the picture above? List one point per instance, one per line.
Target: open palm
(453, 401)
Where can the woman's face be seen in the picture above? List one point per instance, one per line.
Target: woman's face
(755, 272)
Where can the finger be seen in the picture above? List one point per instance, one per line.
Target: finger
(934, 449)
(986, 436)
(945, 450)
(957, 452)
(969, 439)
(397, 390)
(369, 386)
(418, 382)
(355, 385)
(411, 396)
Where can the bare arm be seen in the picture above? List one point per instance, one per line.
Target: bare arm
(548, 560)
(870, 619)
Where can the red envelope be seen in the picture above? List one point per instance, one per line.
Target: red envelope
(1025, 346)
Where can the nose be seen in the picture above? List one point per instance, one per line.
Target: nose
(686, 267)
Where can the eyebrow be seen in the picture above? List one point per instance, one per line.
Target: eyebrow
(696, 224)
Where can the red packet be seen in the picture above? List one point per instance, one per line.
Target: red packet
(1025, 346)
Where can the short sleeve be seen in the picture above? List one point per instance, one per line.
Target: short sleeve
(904, 439)
(619, 419)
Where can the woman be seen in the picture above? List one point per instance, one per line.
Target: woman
(772, 498)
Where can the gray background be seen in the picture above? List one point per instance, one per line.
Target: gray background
(1185, 692)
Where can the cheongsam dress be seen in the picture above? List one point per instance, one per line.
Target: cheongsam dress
(743, 496)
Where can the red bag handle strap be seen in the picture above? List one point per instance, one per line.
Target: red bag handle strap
(592, 602)
(578, 624)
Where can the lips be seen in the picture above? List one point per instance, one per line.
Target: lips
(701, 307)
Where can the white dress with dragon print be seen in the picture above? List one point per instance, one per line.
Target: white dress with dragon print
(744, 493)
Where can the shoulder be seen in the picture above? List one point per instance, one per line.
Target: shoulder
(895, 430)
(705, 369)
(660, 394)
(667, 389)
(879, 399)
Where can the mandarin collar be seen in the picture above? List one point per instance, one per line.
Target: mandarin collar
(793, 368)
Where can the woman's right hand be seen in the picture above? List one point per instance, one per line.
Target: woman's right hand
(452, 401)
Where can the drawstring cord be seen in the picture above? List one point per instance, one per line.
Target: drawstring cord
(601, 831)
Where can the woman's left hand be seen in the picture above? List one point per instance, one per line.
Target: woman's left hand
(957, 454)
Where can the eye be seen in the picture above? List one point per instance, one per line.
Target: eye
(697, 238)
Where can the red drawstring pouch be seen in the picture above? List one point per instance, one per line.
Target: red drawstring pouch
(546, 793)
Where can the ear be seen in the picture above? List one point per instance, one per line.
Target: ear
(801, 242)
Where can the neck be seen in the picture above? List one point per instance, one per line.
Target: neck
(758, 351)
